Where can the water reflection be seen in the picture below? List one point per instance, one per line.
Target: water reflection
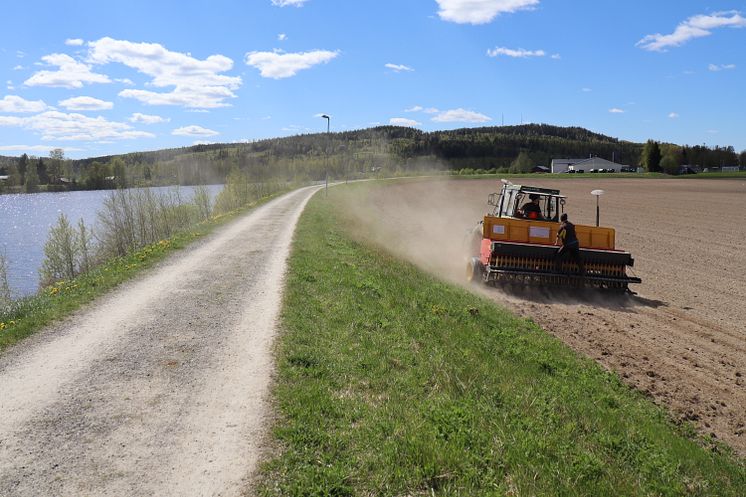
(25, 220)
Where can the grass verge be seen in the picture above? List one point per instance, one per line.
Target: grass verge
(28, 315)
(391, 382)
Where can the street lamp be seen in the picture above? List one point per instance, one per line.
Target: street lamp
(326, 173)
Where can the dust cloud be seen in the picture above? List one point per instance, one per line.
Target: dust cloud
(425, 222)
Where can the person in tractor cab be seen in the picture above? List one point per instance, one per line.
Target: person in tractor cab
(570, 246)
(532, 209)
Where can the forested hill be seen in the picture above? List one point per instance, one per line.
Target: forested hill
(487, 147)
(383, 150)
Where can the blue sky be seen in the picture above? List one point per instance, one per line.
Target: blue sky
(98, 78)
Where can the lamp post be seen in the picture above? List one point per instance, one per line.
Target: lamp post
(597, 193)
(326, 149)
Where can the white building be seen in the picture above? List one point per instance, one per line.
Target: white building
(563, 165)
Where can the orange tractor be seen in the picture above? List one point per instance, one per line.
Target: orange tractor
(517, 246)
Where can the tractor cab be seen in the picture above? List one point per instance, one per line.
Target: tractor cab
(527, 202)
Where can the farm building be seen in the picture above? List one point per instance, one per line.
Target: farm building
(563, 165)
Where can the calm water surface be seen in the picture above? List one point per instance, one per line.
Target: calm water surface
(25, 221)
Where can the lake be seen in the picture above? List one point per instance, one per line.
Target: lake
(25, 221)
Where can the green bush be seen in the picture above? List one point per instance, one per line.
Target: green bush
(63, 252)
(5, 294)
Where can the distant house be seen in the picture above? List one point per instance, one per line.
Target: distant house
(4, 178)
(563, 165)
(540, 169)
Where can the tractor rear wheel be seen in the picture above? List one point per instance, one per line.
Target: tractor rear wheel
(474, 270)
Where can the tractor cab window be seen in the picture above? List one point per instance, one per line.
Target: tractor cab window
(518, 203)
(538, 206)
(531, 206)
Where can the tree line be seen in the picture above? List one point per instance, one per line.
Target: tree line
(383, 150)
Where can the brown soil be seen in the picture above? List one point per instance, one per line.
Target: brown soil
(682, 340)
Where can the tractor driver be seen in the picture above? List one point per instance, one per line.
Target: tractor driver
(532, 209)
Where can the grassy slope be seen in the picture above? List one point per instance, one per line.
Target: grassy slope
(391, 382)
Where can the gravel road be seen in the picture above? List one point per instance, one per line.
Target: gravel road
(159, 388)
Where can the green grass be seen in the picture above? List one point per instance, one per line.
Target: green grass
(28, 315)
(391, 382)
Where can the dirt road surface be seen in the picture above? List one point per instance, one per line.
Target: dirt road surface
(160, 388)
(682, 340)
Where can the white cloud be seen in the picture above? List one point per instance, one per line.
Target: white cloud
(85, 103)
(19, 68)
(70, 73)
(721, 67)
(9, 85)
(695, 27)
(556, 56)
(399, 67)
(586, 90)
(194, 130)
(480, 11)
(147, 119)
(460, 116)
(616, 110)
(55, 125)
(288, 3)
(197, 83)
(403, 121)
(431, 110)
(673, 115)
(125, 81)
(416, 108)
(282, 37)
(74, 42)
(13, 103)
(278, 65)
(36, 148)
(515, 53)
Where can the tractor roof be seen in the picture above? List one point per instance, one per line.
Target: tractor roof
(533, 189)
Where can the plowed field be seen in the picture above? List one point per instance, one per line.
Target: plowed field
(682, 340)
